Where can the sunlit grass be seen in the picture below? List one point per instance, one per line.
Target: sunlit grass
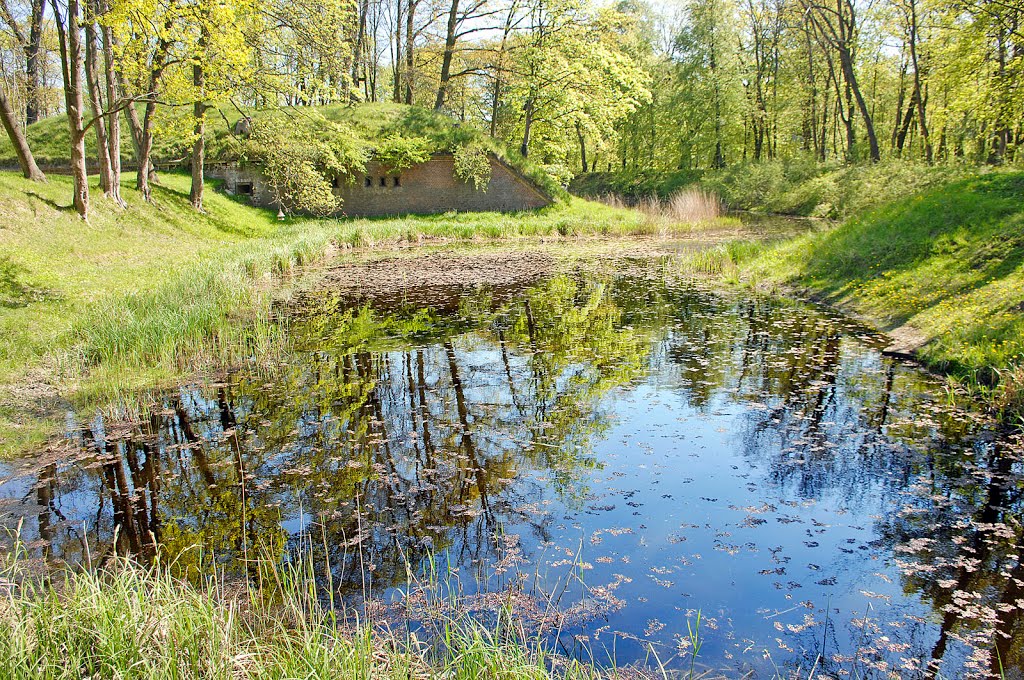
(946, 264)
(127, 621)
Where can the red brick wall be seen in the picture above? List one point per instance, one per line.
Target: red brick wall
(427, 188)
(432, 187)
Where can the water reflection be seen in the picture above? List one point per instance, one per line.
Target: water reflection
(744, 455)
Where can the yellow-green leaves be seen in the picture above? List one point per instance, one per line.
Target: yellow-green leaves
(472, 165)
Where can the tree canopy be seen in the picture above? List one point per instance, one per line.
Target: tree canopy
(572, 85)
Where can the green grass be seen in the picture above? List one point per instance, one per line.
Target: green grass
(124, 621)
(91, 313)
(795, 186)
(946, 264)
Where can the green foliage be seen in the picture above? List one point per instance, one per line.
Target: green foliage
(301, 159)
(800, 186)
(794, 186)
(397, 153)
(472, 166)
(633, 185)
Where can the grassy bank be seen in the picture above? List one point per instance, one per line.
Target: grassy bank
(931, 254)
(796, 186)
(125, 622)
(941, 269)
(92, 312)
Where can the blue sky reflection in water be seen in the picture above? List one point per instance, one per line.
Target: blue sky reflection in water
(635, 448)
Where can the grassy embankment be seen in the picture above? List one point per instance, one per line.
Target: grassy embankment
(933, 255)
(942, 270)
(90, 313)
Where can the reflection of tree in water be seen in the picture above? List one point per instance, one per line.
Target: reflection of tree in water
(396, 432)
(959, 538)
(825, 425)
(821, 417)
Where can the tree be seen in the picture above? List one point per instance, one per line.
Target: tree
(70, 40)
(569, 67)
(25, 158)
(302, 159)
(30, 38)
(107, 127)
(837, 28)
(705, 48)
(219, 63)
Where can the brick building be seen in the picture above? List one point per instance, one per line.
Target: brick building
(427, 188)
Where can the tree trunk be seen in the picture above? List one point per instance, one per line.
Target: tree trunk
(142, 178)
(32, 52)
(901, 97)
(524, 148)
(135, 127)
(499, 71)
(904, 124)
(199, 146)
(142, 182)
(25, 158)
(922, 119)
(495, 103)
(583, 146)
(410, 54)
(357, 55)
(70, 40)
(114, 121)
(449, 52)
(398, 52)
(851, 133)
(92, 80)
(847, 24)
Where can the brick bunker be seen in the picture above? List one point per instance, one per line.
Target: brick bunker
(423, 189)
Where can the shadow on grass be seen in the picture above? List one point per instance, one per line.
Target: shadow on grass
(975, 224)
(69, 208)
(950, 258)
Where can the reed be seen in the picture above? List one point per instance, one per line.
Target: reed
(682, 211)
(127, 621)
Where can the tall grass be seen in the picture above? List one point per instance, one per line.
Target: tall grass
(125, 621)
(685, 208)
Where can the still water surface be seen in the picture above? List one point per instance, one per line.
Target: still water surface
(637, 448)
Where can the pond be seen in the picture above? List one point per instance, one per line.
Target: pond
(612, 447)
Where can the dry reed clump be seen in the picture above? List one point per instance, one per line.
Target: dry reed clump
(689, 206)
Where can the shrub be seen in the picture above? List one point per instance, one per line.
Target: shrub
(473, 165)
(300, 160)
